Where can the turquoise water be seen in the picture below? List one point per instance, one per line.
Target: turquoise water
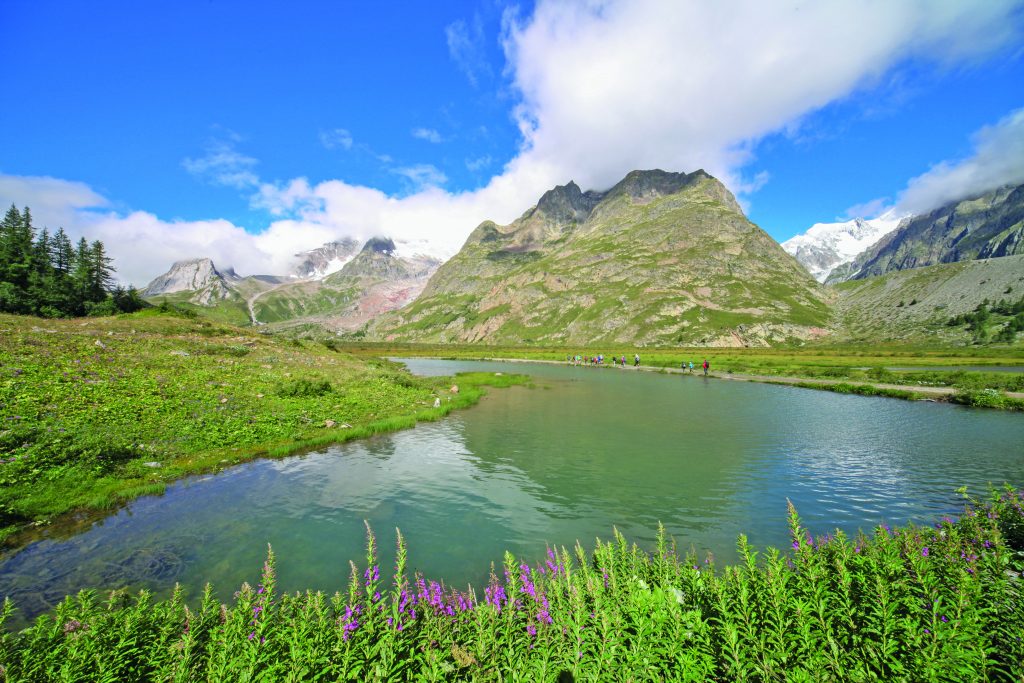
(585, 450)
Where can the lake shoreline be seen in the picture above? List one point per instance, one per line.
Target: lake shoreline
(901, 391)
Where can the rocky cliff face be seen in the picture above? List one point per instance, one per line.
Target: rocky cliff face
(659, 258)
(986, 226)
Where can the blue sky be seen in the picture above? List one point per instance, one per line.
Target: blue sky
(250, 130)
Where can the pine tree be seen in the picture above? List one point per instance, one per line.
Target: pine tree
(102, 271)
(63, 252)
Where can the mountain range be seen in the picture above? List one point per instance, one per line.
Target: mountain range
(988, 225)
(660, 258)
(339, 286)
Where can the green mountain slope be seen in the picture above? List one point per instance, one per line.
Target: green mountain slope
(917, 304)
(986, 226)
(659, 258)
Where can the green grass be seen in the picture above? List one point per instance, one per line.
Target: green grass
(86, 404)
(905, 604)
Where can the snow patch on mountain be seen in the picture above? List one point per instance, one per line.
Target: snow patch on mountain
(826, 246)
(316, 264)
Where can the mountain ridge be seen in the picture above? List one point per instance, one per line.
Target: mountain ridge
(658, 257)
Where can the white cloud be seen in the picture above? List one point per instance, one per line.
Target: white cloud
(467, 48)
(422, 175)
(223, 165)
(998, 159)
(479, 164)
(338, 138)
(869, 209)
(428, 134)
(612, 85)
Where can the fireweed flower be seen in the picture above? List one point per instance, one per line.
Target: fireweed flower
(924, 551)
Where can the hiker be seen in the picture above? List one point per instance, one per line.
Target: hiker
(623, 360)
(706, 366)
(691, 367)
(636, 360)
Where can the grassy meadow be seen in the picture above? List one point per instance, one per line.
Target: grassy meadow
(98, 411)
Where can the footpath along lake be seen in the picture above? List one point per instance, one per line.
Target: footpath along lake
(585, 450)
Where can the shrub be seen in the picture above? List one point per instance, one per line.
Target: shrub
(304, 388)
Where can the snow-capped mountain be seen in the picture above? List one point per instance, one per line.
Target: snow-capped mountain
(316, 264)
(825, 246)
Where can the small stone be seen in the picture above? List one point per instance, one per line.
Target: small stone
(498, 374)
(454, 389)
(345, 425)
(183, 354)
(100, 344)
(152, 464)
(330, 424)
(259, 395)
(267, 367)
(437, 402)
(224, 399)
(110, 333)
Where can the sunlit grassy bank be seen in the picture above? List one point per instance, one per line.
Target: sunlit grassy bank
(905, 604)
(97, 411)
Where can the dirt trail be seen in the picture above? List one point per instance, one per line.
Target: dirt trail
(251, 301)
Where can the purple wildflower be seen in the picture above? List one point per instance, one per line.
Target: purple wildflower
(924, 551)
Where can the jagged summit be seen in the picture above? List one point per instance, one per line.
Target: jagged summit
(568, 203)
(381, 245)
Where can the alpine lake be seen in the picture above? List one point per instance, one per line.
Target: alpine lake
(580, 452)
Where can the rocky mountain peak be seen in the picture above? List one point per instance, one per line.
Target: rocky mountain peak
(325, 259)
(567, 203)
(379, 245)
(188, 275)
(646, 185)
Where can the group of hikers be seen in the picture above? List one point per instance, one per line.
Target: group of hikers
(599, 359)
